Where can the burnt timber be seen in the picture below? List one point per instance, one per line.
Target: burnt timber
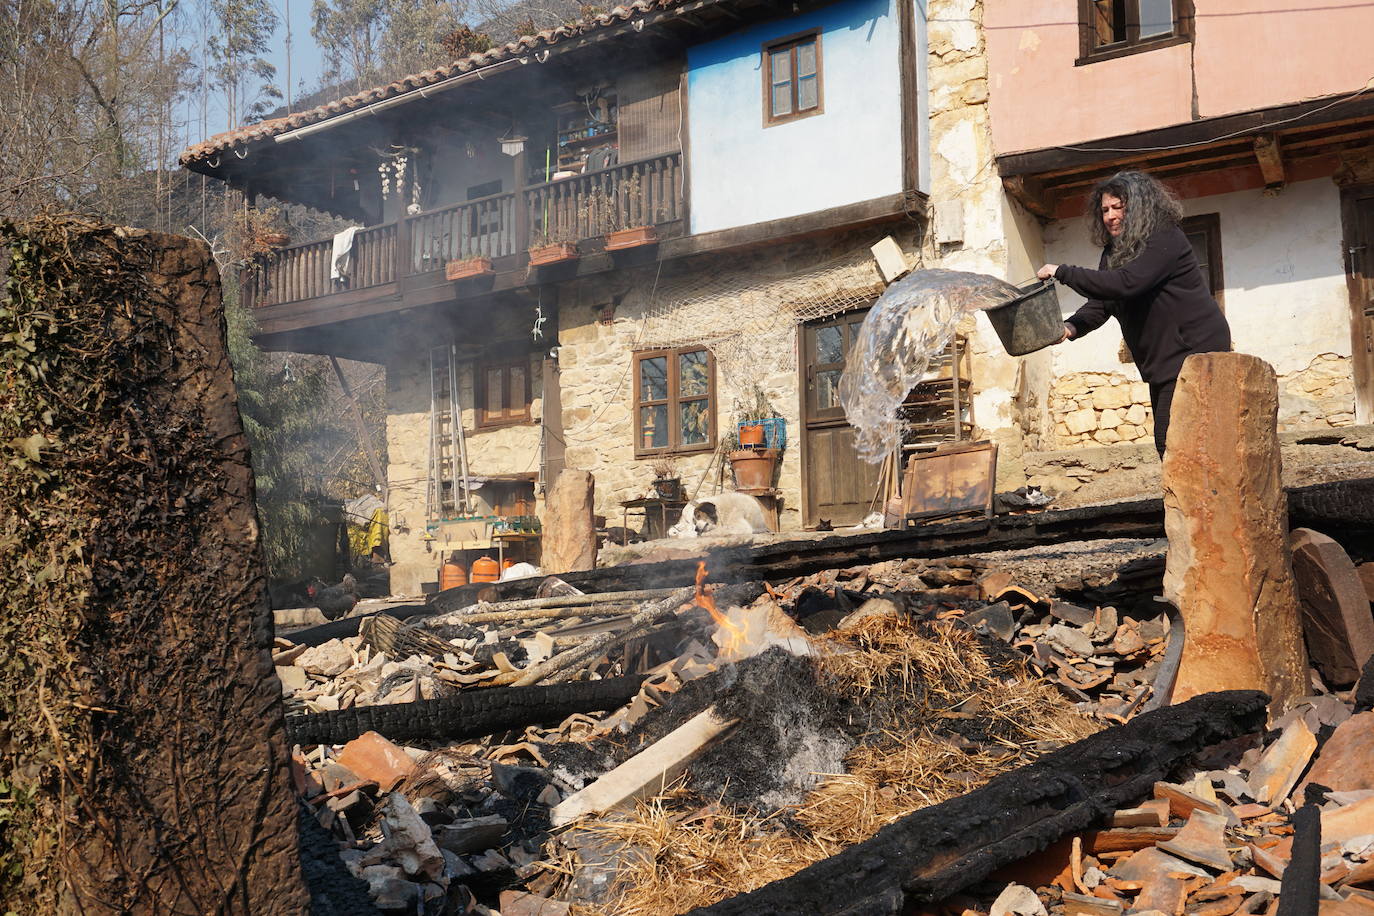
(935, 852)
(1343, 509)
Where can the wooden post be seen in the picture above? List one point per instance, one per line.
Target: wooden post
(1229, 567)
(569, 528)
(521, 205)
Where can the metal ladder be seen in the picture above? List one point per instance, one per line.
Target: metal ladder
(447, 493)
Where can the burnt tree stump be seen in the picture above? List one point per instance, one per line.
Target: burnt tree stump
(142, 733)
(1229, 567)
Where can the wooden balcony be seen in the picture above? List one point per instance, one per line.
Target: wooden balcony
(390, 261)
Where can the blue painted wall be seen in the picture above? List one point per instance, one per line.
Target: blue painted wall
(743, 172)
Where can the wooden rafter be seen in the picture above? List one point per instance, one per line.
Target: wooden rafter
(1270, 156)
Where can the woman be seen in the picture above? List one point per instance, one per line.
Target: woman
(1148, 279)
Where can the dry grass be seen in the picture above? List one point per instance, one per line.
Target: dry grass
(684, 855)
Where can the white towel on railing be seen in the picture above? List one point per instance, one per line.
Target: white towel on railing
(343, 251)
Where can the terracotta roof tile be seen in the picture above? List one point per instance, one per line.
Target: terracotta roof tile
(210, 148)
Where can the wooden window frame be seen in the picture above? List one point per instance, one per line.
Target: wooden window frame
(1209, 224)
(509, 416)
(674, 399)
(1090, 53)
(778, 44)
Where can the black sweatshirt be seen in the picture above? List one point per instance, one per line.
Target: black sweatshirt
(1161, 301)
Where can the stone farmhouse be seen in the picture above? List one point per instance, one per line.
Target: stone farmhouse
(597, 246)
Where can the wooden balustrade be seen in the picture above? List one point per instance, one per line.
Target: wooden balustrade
(477, 228)
(641, 193)
(303, 271)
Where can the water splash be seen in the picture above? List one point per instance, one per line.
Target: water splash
(910, 325)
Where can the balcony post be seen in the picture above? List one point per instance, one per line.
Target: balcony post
(521, 241)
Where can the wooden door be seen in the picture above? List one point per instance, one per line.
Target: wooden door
(1358, 218)
(837, 485)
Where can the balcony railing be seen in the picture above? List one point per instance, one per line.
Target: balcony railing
(587, 206)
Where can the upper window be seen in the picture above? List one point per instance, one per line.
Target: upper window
(1112, 28)
(792, 78)
(675, 401)
(503, 392)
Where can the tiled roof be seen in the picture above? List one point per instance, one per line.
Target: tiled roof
(219, 143)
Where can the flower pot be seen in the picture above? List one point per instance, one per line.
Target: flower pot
(468, 267)
(637, 237)
(552, 254)
(751, 435)
(668, 487)
(754, 468)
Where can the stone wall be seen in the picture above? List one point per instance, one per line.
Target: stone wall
(1100, 408)
(513, 449)
(976, 227)
(1322, 395)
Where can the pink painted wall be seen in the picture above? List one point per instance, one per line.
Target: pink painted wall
(1245, 55)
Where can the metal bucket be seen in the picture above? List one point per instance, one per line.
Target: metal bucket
(1031, 321)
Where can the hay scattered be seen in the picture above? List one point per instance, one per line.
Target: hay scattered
(924, 688)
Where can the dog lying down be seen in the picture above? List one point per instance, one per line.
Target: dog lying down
(724, 513)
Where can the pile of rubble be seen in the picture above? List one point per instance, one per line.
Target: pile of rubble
(712, 740)
(1227, 840)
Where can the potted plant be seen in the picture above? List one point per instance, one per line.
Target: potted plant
(756, 419)
(667, 484)
(477, 266)
(752, 461)
(551, 248)
(617, 214)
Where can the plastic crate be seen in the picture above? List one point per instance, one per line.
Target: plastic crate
(774, 431)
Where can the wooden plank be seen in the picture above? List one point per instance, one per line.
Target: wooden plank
(646, 773)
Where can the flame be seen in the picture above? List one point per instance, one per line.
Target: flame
(704, 599)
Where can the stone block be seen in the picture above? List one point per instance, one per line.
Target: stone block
(1111, 397)
(1107, 436)
(1081, 421)
(1229, 567)
(1136, 414)
(1140, 393)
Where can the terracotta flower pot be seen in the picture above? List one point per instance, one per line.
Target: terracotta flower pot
(467, 267)
(753, 468)
(636, 237)
(552, 254)
(751, 434)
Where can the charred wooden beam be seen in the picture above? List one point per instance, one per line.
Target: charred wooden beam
(471, 714)
(934, 853)
(1344, 509)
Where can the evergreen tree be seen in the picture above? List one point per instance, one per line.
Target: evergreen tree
(280, 410)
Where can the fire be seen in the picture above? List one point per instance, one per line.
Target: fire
(705, 600)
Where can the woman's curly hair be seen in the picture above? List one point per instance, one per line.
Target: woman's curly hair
(1149, 206)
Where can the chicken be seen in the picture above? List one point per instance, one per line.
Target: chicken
(334, 601)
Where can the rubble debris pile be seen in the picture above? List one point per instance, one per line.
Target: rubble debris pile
(1282, 822)
(813, 744)
(142, 762)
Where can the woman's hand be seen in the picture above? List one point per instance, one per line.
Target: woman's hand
(1047, 271)
(1070, 332)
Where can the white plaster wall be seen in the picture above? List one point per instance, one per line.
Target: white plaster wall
(1286, 296)
(744, 172)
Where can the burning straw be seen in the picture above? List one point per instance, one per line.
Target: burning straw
(924, 688)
